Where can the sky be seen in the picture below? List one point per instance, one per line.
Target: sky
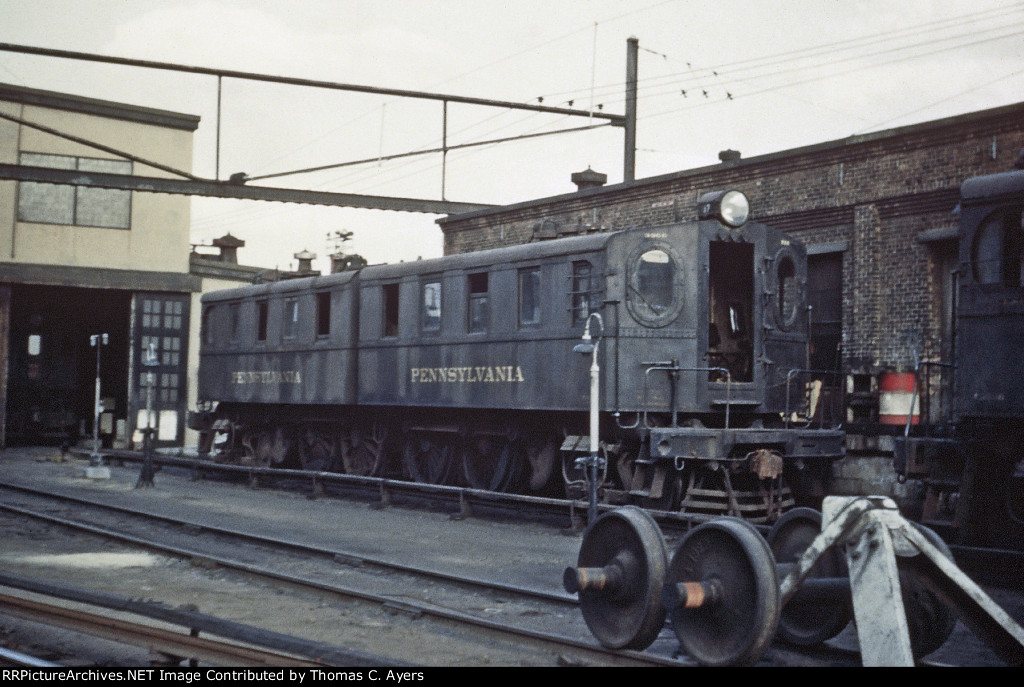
(757, 76)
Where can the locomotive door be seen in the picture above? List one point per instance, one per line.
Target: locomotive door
(161, 329)
(786, 329)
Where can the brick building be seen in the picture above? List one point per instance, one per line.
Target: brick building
(876, 211)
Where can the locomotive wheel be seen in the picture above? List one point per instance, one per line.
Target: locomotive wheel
(493, 463)
(316, 452)
(270, 447)
(427, 460)
(542, 455)
(730, 556)
(629, 616)
(362, 454)
(802, 622)
(930, 622)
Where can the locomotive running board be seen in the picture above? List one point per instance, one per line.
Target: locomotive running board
(873, 533)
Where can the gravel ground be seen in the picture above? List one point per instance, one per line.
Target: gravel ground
(516, 553)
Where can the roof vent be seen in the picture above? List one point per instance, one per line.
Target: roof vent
(228, 246)
(589, 179)
(305, 259)
(727, 156)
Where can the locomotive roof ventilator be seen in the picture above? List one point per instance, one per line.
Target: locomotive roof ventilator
(729, 207)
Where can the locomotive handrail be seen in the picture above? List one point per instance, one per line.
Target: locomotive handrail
(918, 366)
(810, 418)
(669, 366)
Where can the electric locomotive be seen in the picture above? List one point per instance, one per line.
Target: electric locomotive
(462, 369)
(969, 453)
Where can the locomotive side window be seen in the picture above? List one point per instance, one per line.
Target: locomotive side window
(654, 285)
(390, 310)
(789, 293)
(235, 313)
(478, 313)
(291, 318)
(205, 325)
(580, 291)
(431, 321)
(323, 314)
(262, 310)
(654, 276)
(529, 296)
(998, 250)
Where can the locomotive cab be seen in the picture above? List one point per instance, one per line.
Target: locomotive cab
(707, 344)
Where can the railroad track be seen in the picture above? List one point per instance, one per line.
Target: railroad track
(309, 570)
(992, 566)
(205, 540)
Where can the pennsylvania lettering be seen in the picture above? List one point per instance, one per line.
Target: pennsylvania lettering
(467, 375)
(266, 377)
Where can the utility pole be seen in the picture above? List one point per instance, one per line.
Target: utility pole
(629, 154)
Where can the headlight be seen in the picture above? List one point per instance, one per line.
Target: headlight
(729, 207)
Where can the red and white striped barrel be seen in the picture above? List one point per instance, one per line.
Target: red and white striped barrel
(896, 399)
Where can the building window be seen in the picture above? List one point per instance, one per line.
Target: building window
(84, 206)
(261, 320)
(580, 291)
(391, 310)
(291, 318)
(323, 314)
(478, 313)
(529, 296)
(431, 306)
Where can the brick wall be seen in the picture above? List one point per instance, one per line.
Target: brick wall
(874, 195)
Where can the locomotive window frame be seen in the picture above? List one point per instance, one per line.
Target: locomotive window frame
(477, 311)
(206, 325)
(431, 304)
(235, 320)
(390, 310)
(581, 298)
(290, 318)
(262, 319)
(529, 296)
(323, 314)
(789, 290)
(639, 283)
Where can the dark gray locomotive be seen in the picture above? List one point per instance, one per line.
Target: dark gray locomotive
(462, 370)
(968, 447)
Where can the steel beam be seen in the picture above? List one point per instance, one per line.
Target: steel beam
(223, 189)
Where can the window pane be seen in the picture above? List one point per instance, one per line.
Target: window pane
(529, 296)
(655, 273)
(261, 321)
(580, 291)
(46, 203)
(478, 313)
(236, 313)
(432, 306)
(102, 207)
(291, 318)
(323, 313)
